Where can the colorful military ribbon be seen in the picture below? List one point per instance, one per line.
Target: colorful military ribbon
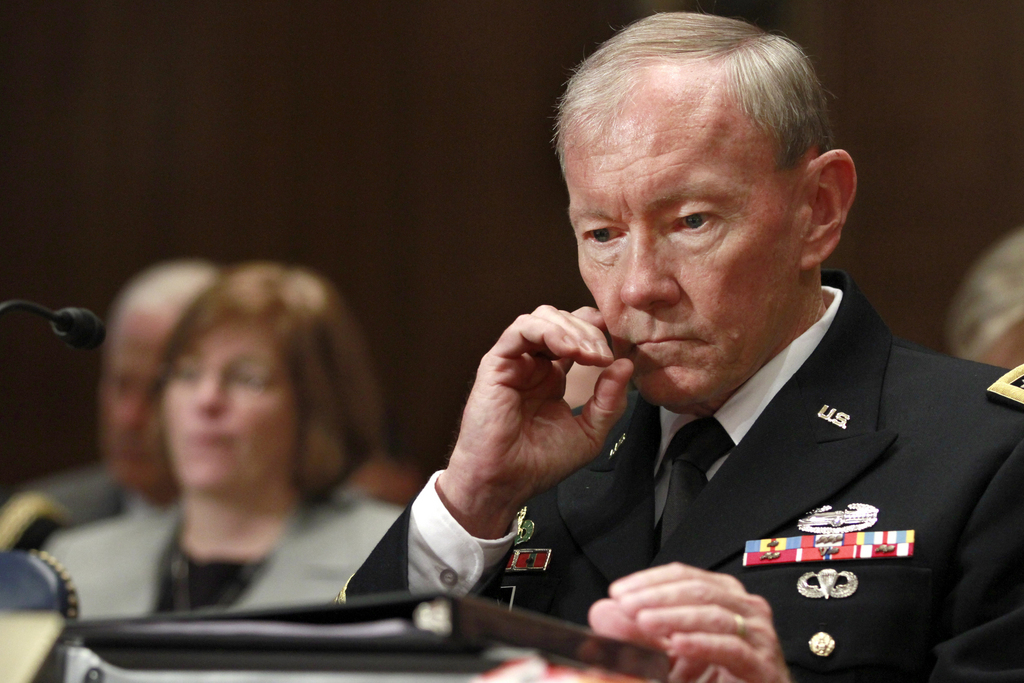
(855, 545)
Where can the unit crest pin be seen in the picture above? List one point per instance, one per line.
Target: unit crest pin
(524, 527)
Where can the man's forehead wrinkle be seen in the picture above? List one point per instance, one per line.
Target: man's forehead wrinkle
(644, 160)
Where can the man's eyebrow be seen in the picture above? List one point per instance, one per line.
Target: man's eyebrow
(589, 214)
(658, 204)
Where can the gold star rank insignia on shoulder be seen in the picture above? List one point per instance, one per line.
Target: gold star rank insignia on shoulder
(1009, 389)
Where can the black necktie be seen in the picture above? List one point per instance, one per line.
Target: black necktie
(692, 451)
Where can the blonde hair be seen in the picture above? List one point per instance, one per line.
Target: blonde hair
(991, 299)
(770, 77)
(337, 397)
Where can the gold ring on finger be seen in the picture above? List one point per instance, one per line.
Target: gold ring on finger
(741, 626)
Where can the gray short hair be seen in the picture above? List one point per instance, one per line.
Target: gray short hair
(991, 299)
(770, 77)
(168, 286)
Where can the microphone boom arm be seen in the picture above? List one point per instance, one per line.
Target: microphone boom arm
(78, 327)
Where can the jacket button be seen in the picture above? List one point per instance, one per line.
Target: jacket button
(822, 644)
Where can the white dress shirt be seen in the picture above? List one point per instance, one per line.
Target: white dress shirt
(444, 557)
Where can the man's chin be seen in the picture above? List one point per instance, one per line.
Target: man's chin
(678, 390)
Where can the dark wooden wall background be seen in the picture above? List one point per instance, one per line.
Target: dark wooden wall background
(403, 150)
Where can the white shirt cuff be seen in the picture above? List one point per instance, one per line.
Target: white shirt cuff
(444, 557)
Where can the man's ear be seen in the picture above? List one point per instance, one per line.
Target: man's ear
(831, 186)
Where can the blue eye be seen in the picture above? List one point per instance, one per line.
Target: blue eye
(601, 234)
(694, 220)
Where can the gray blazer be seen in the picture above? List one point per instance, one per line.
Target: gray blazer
(88, 493)
(116, 564)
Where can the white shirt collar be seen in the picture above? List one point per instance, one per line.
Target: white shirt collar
(739, 413)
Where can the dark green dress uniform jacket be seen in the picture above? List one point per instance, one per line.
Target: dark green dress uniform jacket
(923, 444)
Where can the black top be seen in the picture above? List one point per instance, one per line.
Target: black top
(188, 585)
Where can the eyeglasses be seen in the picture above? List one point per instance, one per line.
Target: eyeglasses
(241, 374)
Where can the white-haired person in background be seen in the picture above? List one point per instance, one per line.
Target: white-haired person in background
(266, 405)
(986, 318)
(133, 474)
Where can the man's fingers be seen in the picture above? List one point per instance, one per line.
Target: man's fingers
(663, 622)
(590, 336)
(690, 593)
(606, 406)
(554, 334)
(708, 621)
(668, 573)
(607, 619)
(695, 653)
(592, 316)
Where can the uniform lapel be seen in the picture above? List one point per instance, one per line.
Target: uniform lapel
(793, 460)
(608, 506)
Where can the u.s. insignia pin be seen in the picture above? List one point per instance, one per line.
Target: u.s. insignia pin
(838, 418)
(855, 517)
(828, 584)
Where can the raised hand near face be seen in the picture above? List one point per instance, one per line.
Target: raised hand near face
(711, 627)
(518, 437)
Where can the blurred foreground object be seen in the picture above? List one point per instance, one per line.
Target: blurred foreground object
(27, 519)
(36, 581)
(25, 640)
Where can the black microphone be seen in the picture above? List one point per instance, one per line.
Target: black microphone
(78, 327)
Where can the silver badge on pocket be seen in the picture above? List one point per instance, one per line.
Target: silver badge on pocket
(831, 584)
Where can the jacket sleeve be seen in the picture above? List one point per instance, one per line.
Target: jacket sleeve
(984, 612)
(387, 567)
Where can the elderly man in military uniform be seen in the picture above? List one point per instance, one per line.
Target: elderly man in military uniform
(793, 493)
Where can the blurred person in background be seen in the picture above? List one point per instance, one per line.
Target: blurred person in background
(986, 318)
(133, 474)
(268, 404)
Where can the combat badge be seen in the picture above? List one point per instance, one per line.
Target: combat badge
(1009, 389)
(824, 520)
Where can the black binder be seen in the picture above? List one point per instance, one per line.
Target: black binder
(395, 632)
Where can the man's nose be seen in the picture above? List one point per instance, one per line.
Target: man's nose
(650, 278)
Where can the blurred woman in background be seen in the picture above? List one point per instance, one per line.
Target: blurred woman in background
(267, 405)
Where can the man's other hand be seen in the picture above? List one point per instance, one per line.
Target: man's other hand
(518, 437)
(711, 627)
